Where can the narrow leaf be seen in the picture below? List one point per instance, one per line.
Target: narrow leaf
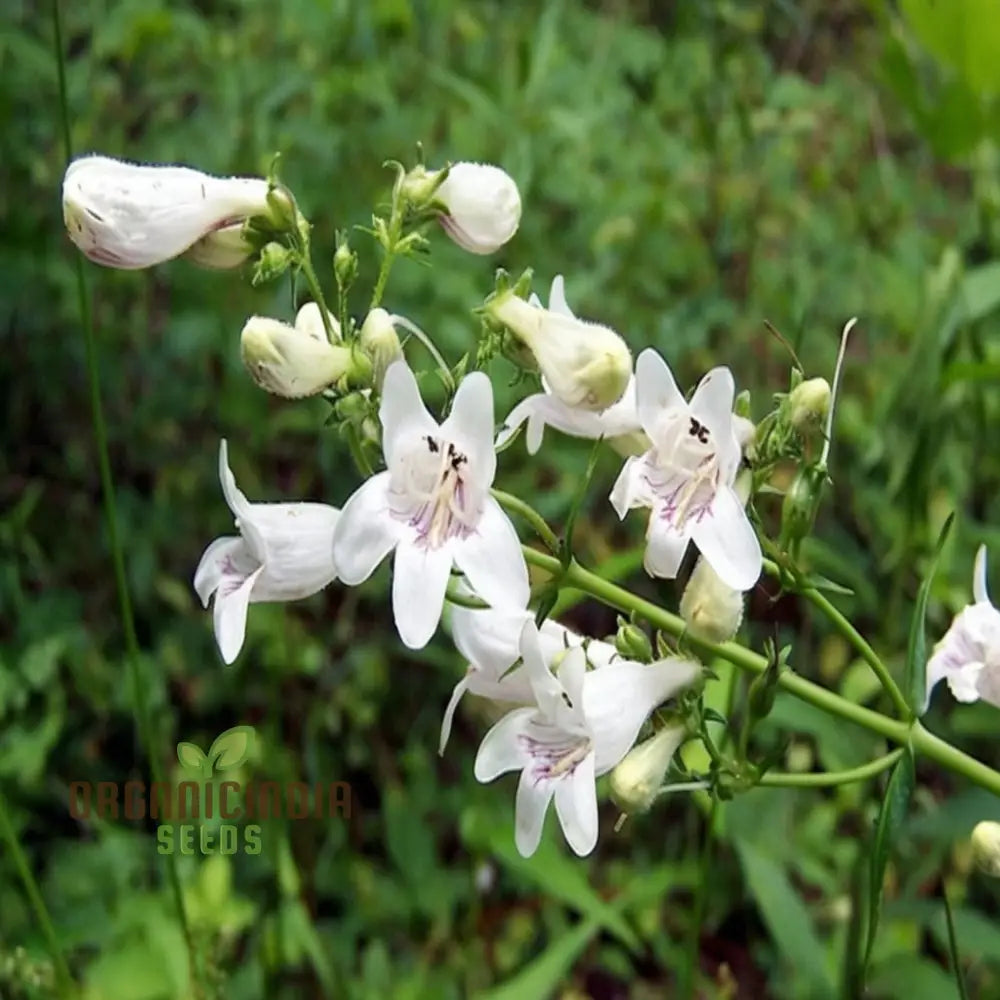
(890, 818)
(956, 965)
(915, 679)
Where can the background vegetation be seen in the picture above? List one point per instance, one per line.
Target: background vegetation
(693, 169)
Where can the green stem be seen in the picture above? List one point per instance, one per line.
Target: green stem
(819, 600)
(898, 732)
(829, 779)
(956, 966)
(66, 984)
(141, 706)
(518, 506)
(309, 273)
(389, 252)
(689, 978)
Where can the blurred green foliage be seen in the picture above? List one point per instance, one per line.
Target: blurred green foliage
(693, 169)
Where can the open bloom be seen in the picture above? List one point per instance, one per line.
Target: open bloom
(687, 476)
(586, 366)
(489, 639)
(482, 206)
(282, 553)
(581, 725)
(292, 361)
(968, 656)
(432, 506)
(128, 215)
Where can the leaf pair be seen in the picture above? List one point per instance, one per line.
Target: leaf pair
(228, 750)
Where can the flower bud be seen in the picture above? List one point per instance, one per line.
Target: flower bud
(637, 779)
(345, 266)
(130, 216)
(632, 642)
(289, 362)
(380, 342)
(585, 365)
(711, 610)
(986, 848)
(800, 506)
(809, 403)
(481, 206)
(273, 261)
(221, 250)
(309, 320)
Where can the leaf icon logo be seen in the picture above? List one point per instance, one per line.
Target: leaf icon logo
(228, 750)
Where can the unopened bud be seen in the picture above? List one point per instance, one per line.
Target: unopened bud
(274, 260)
(309, 320)
(637, 779)
(284, 212)
(711, 609)
(586, 365)
(345, 266)
(221, 250)
(380, 342)
(632, 642)
(986, 848)
(809, 403)
(289, 362)
(800, 506)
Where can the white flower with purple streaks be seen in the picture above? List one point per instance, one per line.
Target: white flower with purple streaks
(581, 725)
(433, 507)
(283, 553)
(687, 476)
(968, 656)
(490, 642)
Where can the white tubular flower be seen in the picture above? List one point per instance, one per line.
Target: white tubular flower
(482, 206)
(283, 553)
(221, 250)
(582, 724)
(309, 319)
(968, 656)
(379, 340)
(433, 507)
(288, 361)
(618, 424)
(687, 476)
(636, 781)
(128, 215)
(490, 641)
(711, 609)
(586, 366)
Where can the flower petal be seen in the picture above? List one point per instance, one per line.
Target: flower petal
(632, 488)
(228, 550)
(419, 581)
(492, 560)
(299, 539)
(230, 614)
(366, 531)
(726, 539)
(572, 669)
(449, 713)
(979, 590)
(530, 807)
(665, 547)
(402, 412)
(241, 507)
(488, 637)
(527, 409)
(656, 390)
(501, 749)
(576, 806)
(470, 426)
(557, 298)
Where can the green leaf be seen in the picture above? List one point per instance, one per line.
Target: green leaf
(231, 748)
(574, 510)
(915, 676)
(787, 918)
(191, 756)
(890, 818)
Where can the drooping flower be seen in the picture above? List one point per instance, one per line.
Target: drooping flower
(482, 206)
(586, 366)
(130, 215)
(489, 639)
(290, 361)
(581, 725)
(282, 553)
(687, 476)
(432, 506)
(968, 657)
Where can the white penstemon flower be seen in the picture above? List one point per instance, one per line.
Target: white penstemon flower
(582, 724)
(489, 639)
(586, 366)
(432, 506)
(687, 476)
(283, 553)
(130, 215)
(968, 657)
(482, 206)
